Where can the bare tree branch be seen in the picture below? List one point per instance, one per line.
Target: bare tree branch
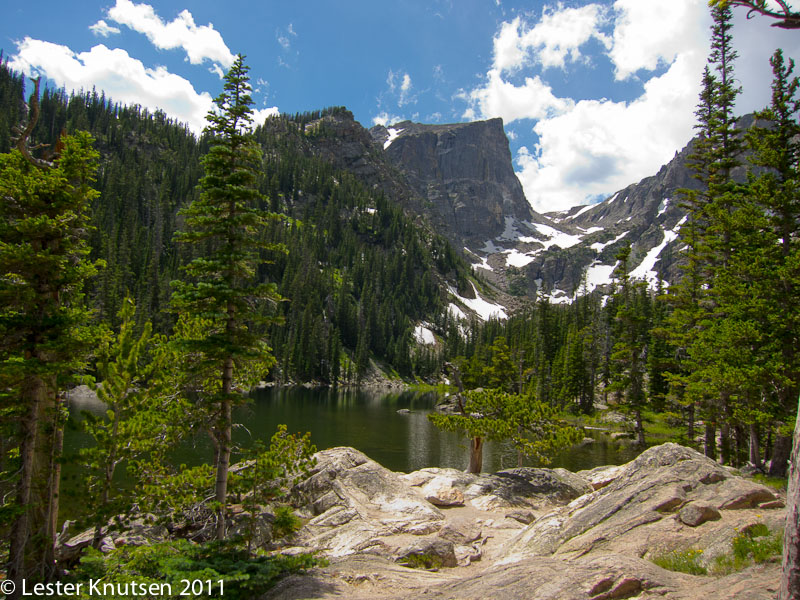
(21, 139)
(786, 17)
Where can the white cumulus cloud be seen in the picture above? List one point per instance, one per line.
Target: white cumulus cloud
(499, 97)
(593, 146)
(600, 146)
(122, 77)
(384, 118)
(200, 42)
(262, 114)
(651, 33)
(558, 36)
(103, 29)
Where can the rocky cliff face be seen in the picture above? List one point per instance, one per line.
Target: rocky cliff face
(647, 215)
(463, 172)
(459, 179)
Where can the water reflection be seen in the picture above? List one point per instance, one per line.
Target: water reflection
(369, 421)
(402, 441)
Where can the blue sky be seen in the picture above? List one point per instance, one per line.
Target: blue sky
(595, 94)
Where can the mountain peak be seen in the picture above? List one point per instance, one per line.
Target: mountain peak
(464, 173)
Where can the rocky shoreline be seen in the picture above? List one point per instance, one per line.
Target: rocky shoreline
(529, 533)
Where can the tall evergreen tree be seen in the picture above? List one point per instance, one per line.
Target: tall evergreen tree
(775, 192)
(695, 324)
(225, 225)
(44, 341)
(628, 357)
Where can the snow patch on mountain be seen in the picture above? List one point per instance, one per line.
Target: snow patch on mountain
(559, 297)
(393, 135)
(455, 311)
(556, 238)
(516, 258)
(510, 233)
(598, 274)
(424, 336)
(662, 208)
(484, 260)
(645, 269)
(600, 246)
(483, 308)
(581, 211)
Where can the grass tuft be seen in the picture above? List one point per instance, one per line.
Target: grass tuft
(757, 544)
(682, 561)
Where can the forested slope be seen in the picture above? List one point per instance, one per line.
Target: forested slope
(359, 274)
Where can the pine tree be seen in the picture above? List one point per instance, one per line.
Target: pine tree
(628, 356)
(534, 428)
(499, 373)
(776, 192)
(694, 326)
(44, 221)
(144, 412)
(225, 224)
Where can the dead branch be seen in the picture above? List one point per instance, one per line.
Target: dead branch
(24, 133)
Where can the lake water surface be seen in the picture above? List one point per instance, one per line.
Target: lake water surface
(391, 428)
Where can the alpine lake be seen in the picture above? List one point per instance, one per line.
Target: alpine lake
(392, 428)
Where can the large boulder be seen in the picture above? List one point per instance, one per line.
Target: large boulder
(669, 498)
(133, 530)
(440, 486)
(354, 502)
(523, 487)
(526, 486)
(596, 547)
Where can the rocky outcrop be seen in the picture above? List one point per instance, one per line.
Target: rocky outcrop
(589, 535)
(511, 488)
(655, 505)
(520, 533)
(464, 172)
(355, 503)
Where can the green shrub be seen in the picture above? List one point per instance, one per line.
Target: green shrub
(222, 569)
(682, 561)
(423, 560)
(286, 522)
(756, 544)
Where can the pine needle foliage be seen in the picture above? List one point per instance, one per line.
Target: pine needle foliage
(224, 226)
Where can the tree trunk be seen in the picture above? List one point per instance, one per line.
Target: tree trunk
(224, 456)
(690, 424)
(476, 455)
(53, 491)
(755, 445)
(725, 443)
(710, 441)
(790, 576)
(739, 452)
(767, 445)
(781, 449)
(32, 543)
(639, 428)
